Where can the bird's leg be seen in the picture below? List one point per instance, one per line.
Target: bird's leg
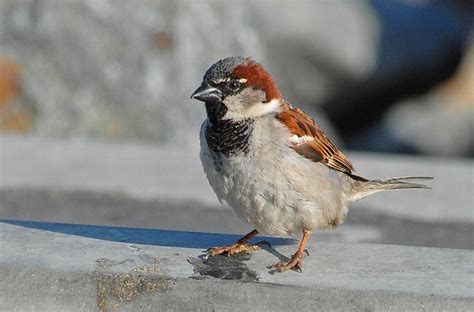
(240, 246)
(297, 259)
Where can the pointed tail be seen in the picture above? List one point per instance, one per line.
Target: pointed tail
(363, 187)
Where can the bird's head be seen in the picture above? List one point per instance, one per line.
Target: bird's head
(238, 88)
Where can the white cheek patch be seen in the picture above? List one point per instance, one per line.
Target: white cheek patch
(256, 110)
(260, 109)
(301, 139)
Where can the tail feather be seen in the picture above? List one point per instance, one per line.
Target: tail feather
(363, 187)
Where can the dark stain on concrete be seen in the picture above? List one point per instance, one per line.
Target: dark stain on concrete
(224, 267)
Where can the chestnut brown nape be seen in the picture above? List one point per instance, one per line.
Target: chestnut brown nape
(256, 75)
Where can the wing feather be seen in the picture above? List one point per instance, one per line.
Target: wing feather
(310, 141)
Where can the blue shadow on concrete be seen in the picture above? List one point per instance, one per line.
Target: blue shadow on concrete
(154, 237)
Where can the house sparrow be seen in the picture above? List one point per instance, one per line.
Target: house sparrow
(271, 162)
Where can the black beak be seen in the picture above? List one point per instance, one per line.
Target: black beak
(207, 93)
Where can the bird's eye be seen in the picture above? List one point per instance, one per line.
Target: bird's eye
(233, 85)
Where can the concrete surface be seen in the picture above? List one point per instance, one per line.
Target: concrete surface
(137, 185)
(58, 267)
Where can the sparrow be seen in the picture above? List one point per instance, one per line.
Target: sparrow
(271, 162)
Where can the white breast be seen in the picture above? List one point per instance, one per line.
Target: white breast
(272, 187)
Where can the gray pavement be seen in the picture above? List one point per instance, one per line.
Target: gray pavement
(54, 267)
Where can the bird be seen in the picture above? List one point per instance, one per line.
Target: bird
(272, 163)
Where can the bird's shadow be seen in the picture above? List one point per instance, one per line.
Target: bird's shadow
(154, 237)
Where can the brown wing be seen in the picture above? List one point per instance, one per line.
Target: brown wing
(311, 142)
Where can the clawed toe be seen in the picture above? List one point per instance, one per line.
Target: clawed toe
(293, 264)
(215, 251)
(233, 249)
(241, 246)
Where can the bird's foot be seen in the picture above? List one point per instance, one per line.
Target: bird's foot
(295, 263)
(239, 247)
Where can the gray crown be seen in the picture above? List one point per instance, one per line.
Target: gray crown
(224, 68)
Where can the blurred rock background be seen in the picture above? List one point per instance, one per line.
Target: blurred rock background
(124, 70)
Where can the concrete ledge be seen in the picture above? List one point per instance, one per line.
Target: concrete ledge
(59, 267)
